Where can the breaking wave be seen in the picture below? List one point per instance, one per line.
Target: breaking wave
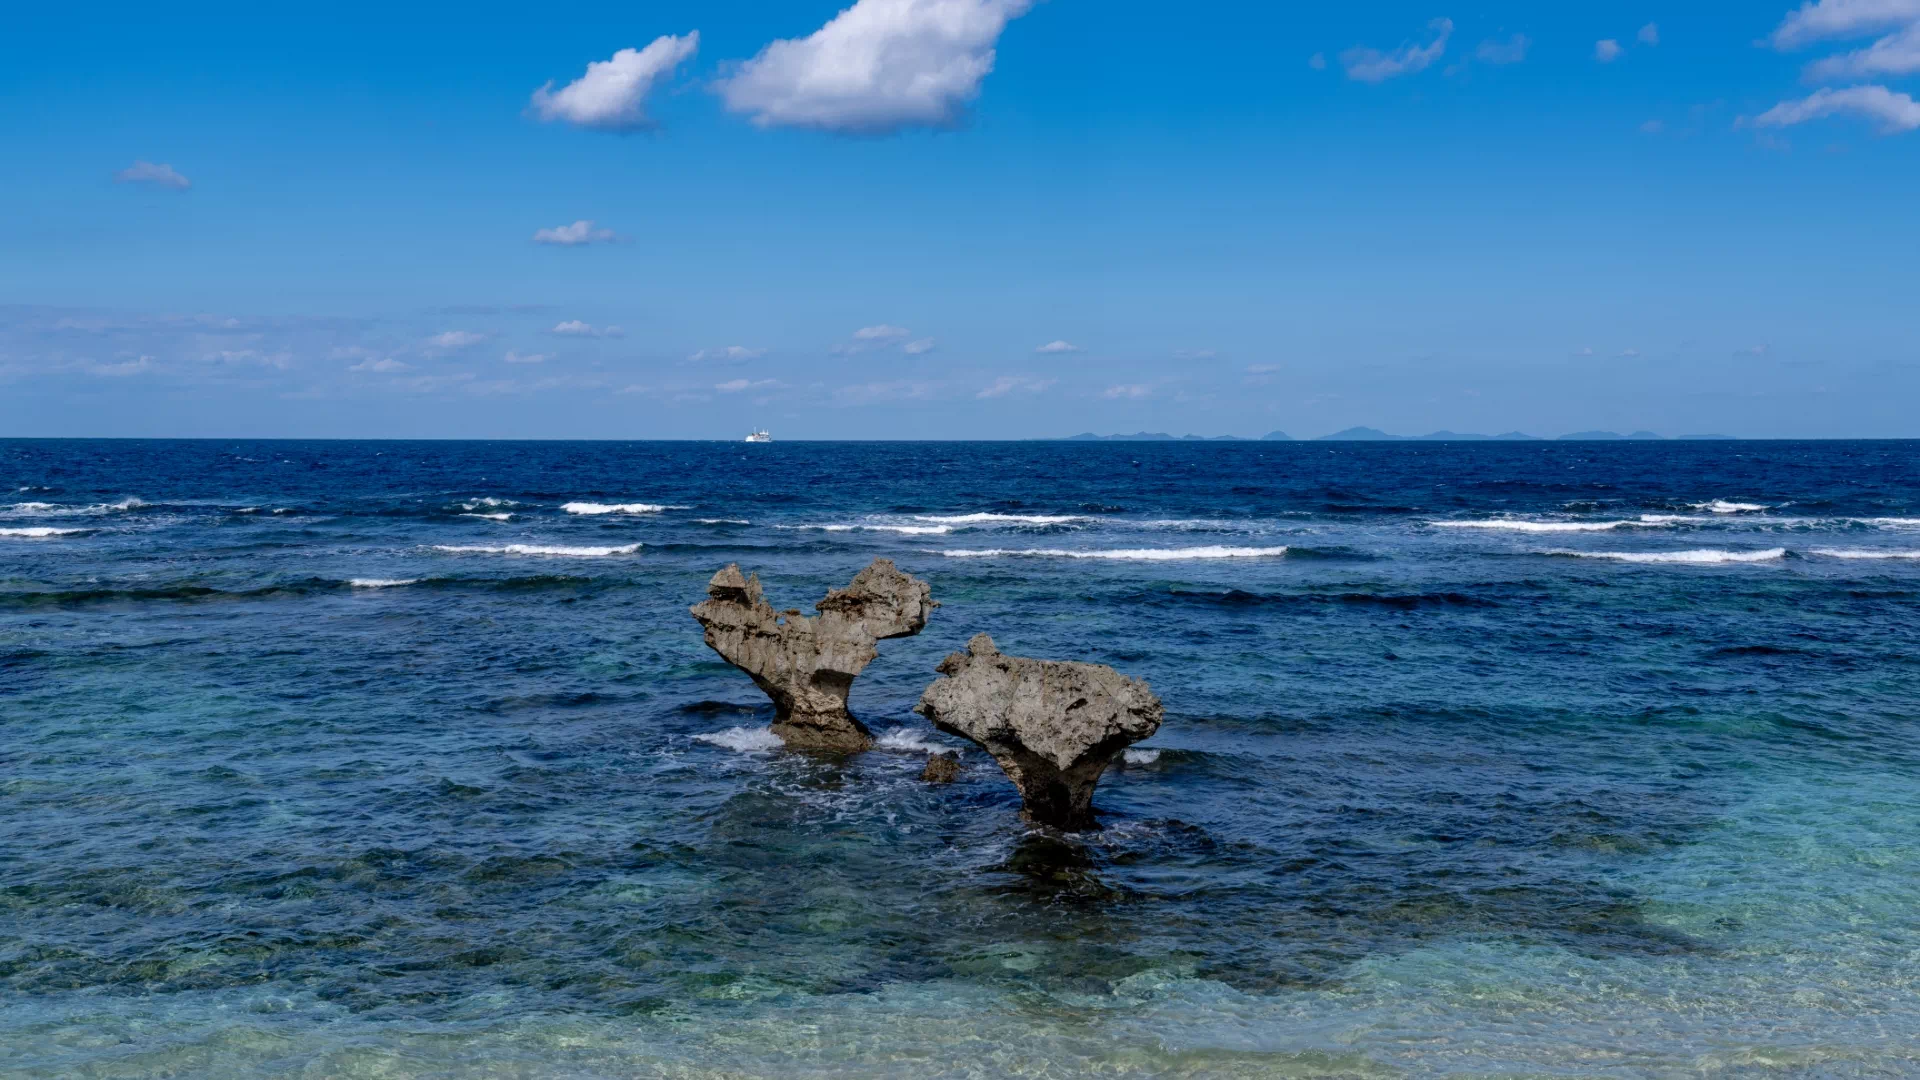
(1722, 506)
(721, 521)
(1697, 556)
(1142, 757)
(904, 530)
(1864, 553)
(1129, 554)
(1001, 519)
(743, 739)
(40, 532)
(908, 740)
(536, 549)
(1518, 525)
(592, 508)
(381, 583)
(491, 517)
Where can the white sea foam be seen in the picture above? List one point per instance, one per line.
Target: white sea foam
(908, 740)
(39, 532)
(491, 517)
(62, 509)
(1519, 525)
(904, 530)
(1891, 521)
(33, 507)
(1865, 553)
(381, 583)
(1001, 519)
(1141, 554)
(489, 501)
(745, 740)
(537, 549)
(1697, 556)
(617, 508)
(1142, 757)
(1722, 506)
(722, 521)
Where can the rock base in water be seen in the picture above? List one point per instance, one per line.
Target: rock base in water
(807, 665)
(942, 768)
(1052, 725)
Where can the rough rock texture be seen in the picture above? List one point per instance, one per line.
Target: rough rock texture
(806, 665)
(1053, 725)
(942, 768)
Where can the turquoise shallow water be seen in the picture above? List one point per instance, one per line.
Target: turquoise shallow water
(1480, 760)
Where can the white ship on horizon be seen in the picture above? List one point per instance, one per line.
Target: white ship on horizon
(759, 435)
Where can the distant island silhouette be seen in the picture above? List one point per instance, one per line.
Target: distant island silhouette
(1367, 434)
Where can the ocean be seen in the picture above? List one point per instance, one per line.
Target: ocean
(405, 759)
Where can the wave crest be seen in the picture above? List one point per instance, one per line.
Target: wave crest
(1697, 556)
(1123, 554)
(536, 549)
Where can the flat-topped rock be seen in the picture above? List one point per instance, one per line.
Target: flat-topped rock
(1053, 725)
(807, 665)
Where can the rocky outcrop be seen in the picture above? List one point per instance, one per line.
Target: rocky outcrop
(942, 768)
(807, 665)
(1053, 725)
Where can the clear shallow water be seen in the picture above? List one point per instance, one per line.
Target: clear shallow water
(1479, 759)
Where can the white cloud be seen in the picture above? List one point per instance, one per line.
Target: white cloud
(1653, 127)
(1606, 51)
(1842, 18)
(1895, 54)
(1629, 353)
(735, 386)
(875, 393)
(574, 235)
(1128, 392)
(385, 365)
(1372, 65)
(1058, 347)
(576, 328)
(146, 172)
(1262, 369)
(1895, 112)
(1649, 34)
(1194, 354)
(874, 337)
(120, 368)
(877, 67)
(731, 354)
(1015, 384)
(454, 340)
(612, 95)
(525, 358)
(915, 348)
(1511, 51)
(1318, 61)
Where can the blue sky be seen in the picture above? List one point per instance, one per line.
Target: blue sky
(959, 218)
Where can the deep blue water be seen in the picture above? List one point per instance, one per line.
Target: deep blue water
(382, 759)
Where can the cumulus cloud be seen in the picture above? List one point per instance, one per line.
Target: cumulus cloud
(1058, 347)
(915, 348)
(1015, 384)
(454, 340)
(576, 328)
(1127, 392)
(574, 235)
(878, 67)
(1606, 51)
(731, 354)
(1895, 54)
(875, 337)
(1895, 112)
(1821, 19)
(146, 172)
(1511, 51)
(1372, 66)
(612, 95)
(1649, 34)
